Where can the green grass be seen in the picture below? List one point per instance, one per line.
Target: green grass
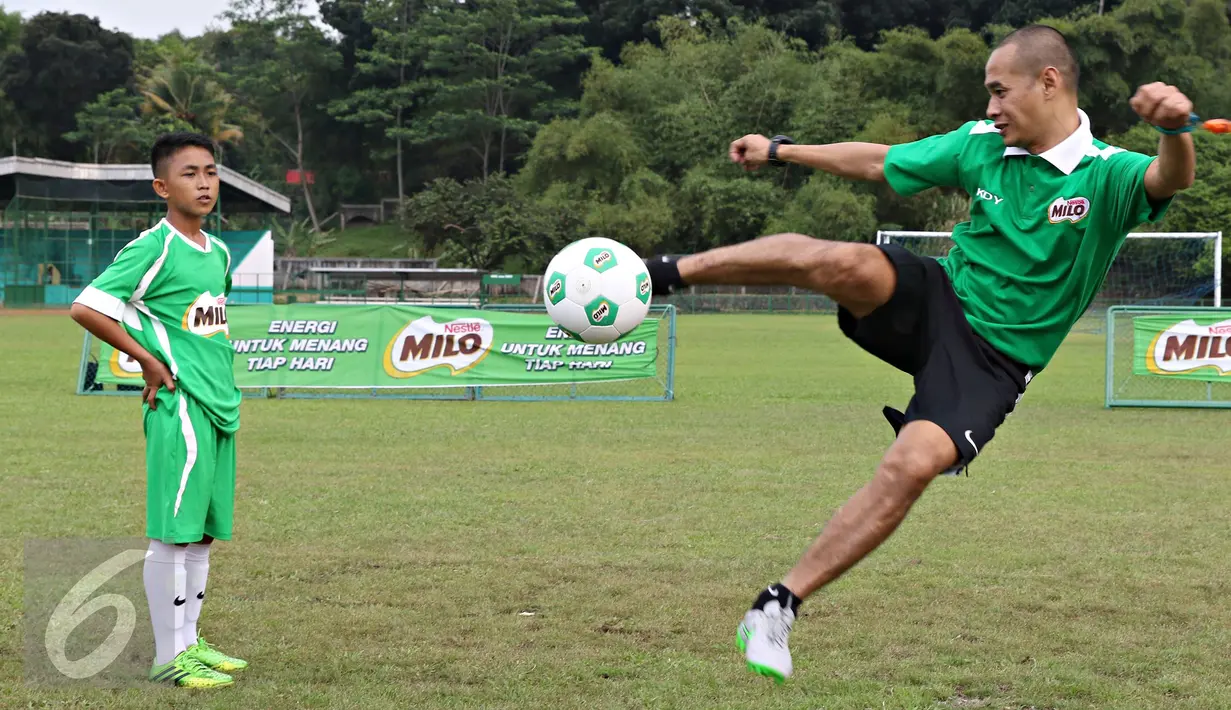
(378, 241)
(385, 551)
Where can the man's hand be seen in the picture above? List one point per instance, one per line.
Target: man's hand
(156, 375)
(1162, 105)
(751, 151)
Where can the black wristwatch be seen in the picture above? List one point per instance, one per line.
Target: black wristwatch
(773, 149)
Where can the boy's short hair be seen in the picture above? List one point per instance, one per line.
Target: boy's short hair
(168, 144)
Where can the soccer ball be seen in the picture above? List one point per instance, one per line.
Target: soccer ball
(597, 289)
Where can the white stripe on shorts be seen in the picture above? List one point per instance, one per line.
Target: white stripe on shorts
(190, 443)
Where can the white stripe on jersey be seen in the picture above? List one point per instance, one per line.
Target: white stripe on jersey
(225, 249)
(137, 300)
(150, 273)
(190, 443)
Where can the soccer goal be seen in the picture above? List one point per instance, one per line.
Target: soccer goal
(1177, 269)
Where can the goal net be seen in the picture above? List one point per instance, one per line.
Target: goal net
(387, 351)
(1151, 269)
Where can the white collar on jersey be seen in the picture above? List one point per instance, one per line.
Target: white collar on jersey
(208, 242)
(1067, 154)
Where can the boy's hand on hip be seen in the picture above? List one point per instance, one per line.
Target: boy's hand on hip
(156, 375)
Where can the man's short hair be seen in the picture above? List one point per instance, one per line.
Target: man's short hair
(168, 144)
(1039, 47)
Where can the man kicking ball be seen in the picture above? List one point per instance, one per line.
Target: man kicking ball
(1050, 208)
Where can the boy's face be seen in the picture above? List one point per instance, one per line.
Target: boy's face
(189, 181)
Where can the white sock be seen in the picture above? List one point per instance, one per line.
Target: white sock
(165, 579)
(196, 564)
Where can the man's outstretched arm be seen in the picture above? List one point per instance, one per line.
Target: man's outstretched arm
(853, 161)
(855, 275)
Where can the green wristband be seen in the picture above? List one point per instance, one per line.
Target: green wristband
(1188, 128)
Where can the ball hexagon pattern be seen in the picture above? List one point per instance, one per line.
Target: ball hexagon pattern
(597, 289)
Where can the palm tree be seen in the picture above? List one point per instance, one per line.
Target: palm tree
(185, 87)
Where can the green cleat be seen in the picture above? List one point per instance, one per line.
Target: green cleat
(186, 671)
(215, 659)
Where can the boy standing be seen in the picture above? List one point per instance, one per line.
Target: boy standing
(162, 301)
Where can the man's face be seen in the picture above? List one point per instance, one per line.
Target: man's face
(1017, 103)
(189, 181)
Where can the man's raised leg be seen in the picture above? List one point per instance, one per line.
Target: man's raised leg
(920, 453)
(857, 276)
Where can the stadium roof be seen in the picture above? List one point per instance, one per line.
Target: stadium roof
(395, 272)
(83, 184)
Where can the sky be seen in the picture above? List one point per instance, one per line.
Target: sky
(140, 18)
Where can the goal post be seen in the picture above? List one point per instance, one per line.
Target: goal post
(1179, 269)
(399, 351)
(1168, 357)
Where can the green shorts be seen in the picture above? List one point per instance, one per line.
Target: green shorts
(190, 473)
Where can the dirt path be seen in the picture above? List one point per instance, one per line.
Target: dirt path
(33, 312)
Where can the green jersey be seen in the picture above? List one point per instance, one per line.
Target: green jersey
(1043, 229)
(170, 293)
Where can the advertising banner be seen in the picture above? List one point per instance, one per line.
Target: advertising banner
(1193, 347)
(319, 345)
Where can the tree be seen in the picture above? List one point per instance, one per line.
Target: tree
(694, 95)
(867, 22)
(347, 18)
(187, 88)
(279, 67)
(809, 20)
(826, 206)
(488, 72)
(10, 42)
(392, 63)
(483, 223)
(109, 124)
(613, 24)
(940, 80)
(64, 62)
(113, 128)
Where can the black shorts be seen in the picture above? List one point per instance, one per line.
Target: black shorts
(962, 384)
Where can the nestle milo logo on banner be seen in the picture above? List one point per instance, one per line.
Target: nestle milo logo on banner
(122, 365)
(425, 344)
(1186, 346)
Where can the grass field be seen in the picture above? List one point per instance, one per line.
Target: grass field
(387, 553)
(379, 241)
